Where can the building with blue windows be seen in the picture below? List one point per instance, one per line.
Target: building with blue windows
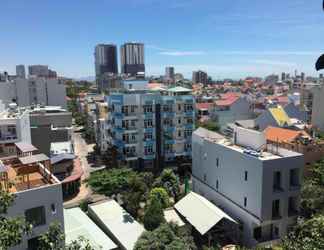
(151, 127)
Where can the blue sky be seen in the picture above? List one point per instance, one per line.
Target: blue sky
(228, 38)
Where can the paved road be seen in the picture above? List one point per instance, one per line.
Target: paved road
(81, 149)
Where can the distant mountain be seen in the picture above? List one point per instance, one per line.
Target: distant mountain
(86, 78)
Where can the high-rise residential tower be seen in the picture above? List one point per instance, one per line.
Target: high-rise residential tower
(20, 71)
(199, 77)
(169, 74)
(106, 65)
(132, 58)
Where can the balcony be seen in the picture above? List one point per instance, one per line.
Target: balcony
(8, 137)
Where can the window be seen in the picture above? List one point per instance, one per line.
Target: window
(217, 162)
(217, 183)
(294, 177)
(148, 123)
(125, 110)
(245, 201)
(276, 209)
(148, 150)
(179, 107)
(147, 108)
(148, 136)
(179, 133)
(168, 148)
(53, 208)
(36, 216)
(245, 175)
(277, 181)
(292, 206)
(179, 121)
(133, 108)
(187, 147)
(257, 233)
(187, 133)
(205, 177)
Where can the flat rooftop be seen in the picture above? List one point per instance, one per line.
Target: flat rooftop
(13, 114)
(265, 152)
(16, 176)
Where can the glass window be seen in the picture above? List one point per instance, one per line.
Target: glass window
(36, 216)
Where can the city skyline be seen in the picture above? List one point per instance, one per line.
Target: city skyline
(231, 41)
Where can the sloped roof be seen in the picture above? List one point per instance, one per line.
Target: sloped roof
(200, 213)
(283, 135)
(227, 99)
(77, 223)
(280, 115)
(179, 89)
(61, 157)
(118, 222)
(203, 106)
(25, 147)
(33, 158)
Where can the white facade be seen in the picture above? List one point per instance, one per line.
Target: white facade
(14, 127)
(318, 107)
(261, 190)
(35, 90)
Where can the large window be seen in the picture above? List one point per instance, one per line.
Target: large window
(294, 177)
(36, 216)
(277, 181)
(276, 209)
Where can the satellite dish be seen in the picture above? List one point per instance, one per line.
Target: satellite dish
(320, 63)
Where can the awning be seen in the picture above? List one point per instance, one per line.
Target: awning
(200, 213)
(25, 147)
(33, 159)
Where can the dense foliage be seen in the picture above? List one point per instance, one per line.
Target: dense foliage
(169, 181)
(308, 235)
(153, 215)
(210, 125)
(166, 237)
(160, 194)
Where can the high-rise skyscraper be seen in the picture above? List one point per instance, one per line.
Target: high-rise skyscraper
(169, 74)
(199, 77)
(132, 58)
(106, 65)
(302, 76)
(106, 59)
(20, 71)
(283, 76)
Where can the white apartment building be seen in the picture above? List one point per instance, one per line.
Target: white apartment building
(34, 90)
(38, 193)
(14, 127)
(255, 183)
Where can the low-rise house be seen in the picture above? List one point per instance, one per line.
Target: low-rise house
(78, 224)
(274, 116)
(120, 226)
(231, 107)
(298, 141)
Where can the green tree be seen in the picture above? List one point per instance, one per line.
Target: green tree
(160, 194)
(166, 237)
(11, 229)
(53, 239)
(110, 181)
(210, 125)
(153, 215)
(134, 195)
(308, 235)
(169, 181)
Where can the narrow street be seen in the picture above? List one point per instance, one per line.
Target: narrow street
(81, 149)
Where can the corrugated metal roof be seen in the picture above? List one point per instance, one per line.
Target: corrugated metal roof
(77, 223)
(200, 213)
(280, 115)
(118, 222)
(61, 157)
(25, 147)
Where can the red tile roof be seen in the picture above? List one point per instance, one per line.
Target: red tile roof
(204, 105)
(282, 135)
(228, 99)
